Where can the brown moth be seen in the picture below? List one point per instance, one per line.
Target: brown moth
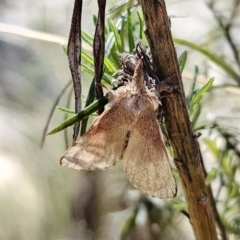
(129, 131)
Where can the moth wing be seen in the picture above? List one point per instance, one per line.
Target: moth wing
(145, 160)
(102, 144)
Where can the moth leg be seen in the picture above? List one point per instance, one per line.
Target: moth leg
(121, 78)
(197, 135)
(166, 85)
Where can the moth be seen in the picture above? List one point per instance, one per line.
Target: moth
(129, 131)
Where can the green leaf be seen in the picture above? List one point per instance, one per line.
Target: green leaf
(53, 109)
(89, 100)
(177, 203)
(232, 226)
(129, 224)
(141, 24)
(110, 42)
(191, 94)
(211, 176)
(119, 8)
(107, 62)
(130, 31)
(66, 115)
(225, 163)
(106, 77)
(91, 94)
(182, 61)
(196, 113)
(95, 20)
(87, 57)
(87, 69)
(234, 191)
(213, 57)
(87, 38)
(64, 47)
(109, 65)
(116, 35)
(211, 145)
(122, 33)
(65, 110)
(229, 128)
(199, 94)
(81, 115)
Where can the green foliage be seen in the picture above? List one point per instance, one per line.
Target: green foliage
(195, 97)
(118, 39)
(141, 24)
(213, 57)
(129, 224)
(87, 38)
(115, 44)
(182, 60)
(93, 107)
(130, 31)
(66, 110)
(211, 176)
(227, 174)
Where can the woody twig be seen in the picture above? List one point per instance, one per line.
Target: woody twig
(185, 146)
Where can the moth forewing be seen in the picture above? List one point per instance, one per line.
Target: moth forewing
(103, 144)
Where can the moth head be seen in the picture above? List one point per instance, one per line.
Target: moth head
(128, 63)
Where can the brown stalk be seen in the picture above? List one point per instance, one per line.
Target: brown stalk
(185, 145)
(99, 49)
(74, 59)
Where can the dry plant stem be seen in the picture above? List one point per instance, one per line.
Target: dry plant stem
(185, 146)
(214, 207)
(74, 59)
(99, 49)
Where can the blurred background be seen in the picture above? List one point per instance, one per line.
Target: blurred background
(41, 200)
